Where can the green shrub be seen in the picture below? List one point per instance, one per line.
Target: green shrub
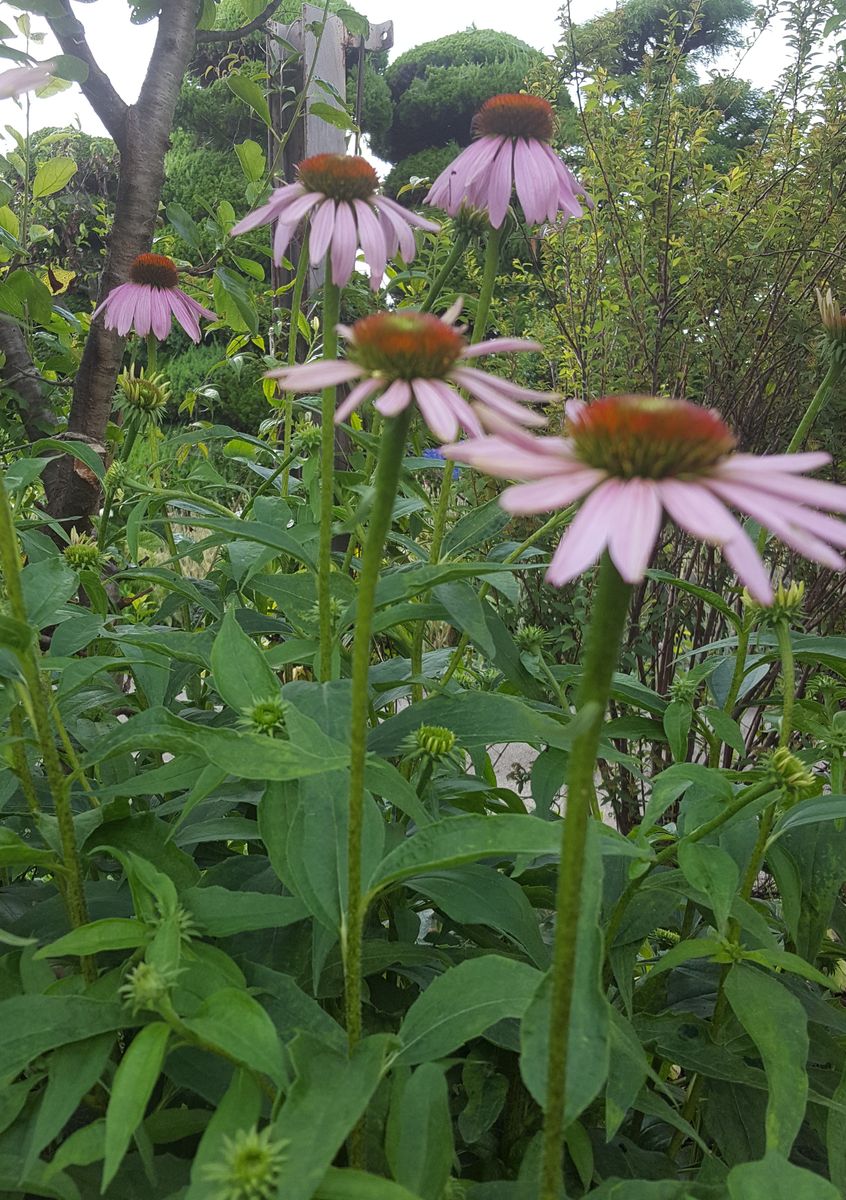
(237, 381)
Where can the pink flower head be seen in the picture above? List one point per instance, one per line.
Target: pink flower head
(511, 151)
(634, 458)
(338, 191)
(25, 79)
(407, 356)
(150, 300)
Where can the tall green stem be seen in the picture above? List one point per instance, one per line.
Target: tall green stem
(132, 430)
(611, 603)
(331, 311)
(293, 334)
(813, 410)
(483, 307)
(458, 248)
(152, 354)
(395, 432)
(38, 709)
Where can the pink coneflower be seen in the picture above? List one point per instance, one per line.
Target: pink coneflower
(339, 191)
(634, 458)
(511, 150)
(409, 356)
(149, 301)
(25, 79)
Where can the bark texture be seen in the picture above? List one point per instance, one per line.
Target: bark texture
(141, 132)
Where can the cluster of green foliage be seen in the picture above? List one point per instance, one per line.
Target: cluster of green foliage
(174, 1027)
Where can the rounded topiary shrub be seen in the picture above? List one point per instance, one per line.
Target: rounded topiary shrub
(425, 164)
(240, 400)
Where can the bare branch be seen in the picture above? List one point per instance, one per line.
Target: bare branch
(235, 35)
(97, 89)
(21, 376)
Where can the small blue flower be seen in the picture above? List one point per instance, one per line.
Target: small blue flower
(438, 459)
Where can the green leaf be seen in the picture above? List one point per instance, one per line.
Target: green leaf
(467, 613)
(241, 674)
(358, 25)
(326, 1100)
(711, 870)
(835, 1136)
(479, 525)
(339, 117)
(75, 449)
(230, 289)
(775, 1178)
(776, 1022)
(112, 933)
(223, 913)
(252, 159)
(15, 635)
(52, 176)
(15, 852)
(725, 727)
(135, 1078)
(810, 812)
(184, 224)
(72, 1071)
(47, 587)
(678, 716)
(419, 1142)
(627, 1071)
(464, 1002)
(68, 66)
(250, 92)
(479, 895)
(237, 1024)
(589, 1035)
(348, 1184)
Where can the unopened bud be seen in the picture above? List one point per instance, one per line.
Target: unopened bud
(791, 775)
(248, 1168)
(786, 606)
(82, 553)
(146, 986)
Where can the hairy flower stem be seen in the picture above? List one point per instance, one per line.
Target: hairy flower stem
(458, 248)
(442, 511)
(331, 310)
(611, 604)
(37, 706)
(20, 764)
(293, 334)
(395, 432)
(133, 427)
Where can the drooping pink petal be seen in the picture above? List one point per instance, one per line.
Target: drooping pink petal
(698, 512)
(535, 184)
(742, 465)
(294, 212)
(568, 186)
(508, 459)
(282, 235)
(505, 402)
(632, 539)
(24, 79)
(143, 321)
(762, 509)
(588, 536)
(406, 214)
(187, 318)
(320, 235)
(830, 529)
(818, 492)
(160, 312)
(497, 191)
(270, 211)
(194, 305)
(472, 377)
(120, 308)
(526, 498)
(398, 234)
(744, 560)
(372, 241)
(450, 188)
(467, 419)
(361, 392)
(433, 400)
(344, 245)
(394, 399)
(499, 346)
(325, 372)
(111, 302)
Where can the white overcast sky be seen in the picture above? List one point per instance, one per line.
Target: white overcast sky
(123, 49)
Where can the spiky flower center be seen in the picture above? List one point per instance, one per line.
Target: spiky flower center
(339, 176)
(405, 345)
(649, 437)
(156, 270)
(515, 115)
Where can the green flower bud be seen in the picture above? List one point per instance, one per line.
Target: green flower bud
(146, 986)
(791, 775)
(265, 715)
(531, 638)
(146, 394)
(786, 606)
(684, 688)
(306, 434)
(248, 1168)
(82, 553)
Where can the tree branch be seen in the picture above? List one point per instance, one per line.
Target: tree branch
(21, 376)
(97, 89)
(235, 35)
